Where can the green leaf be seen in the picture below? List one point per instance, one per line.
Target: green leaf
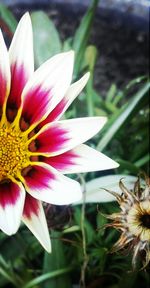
(90, 57)
(135, 81)
(46, 38)
(111, 93)
(8, 18)
(90, 60)
(121, 117)
(54, 274)
(82, 36)
(90, 232)
(56, 261)
(127, 166)
(143, 160)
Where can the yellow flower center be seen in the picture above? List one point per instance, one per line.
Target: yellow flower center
(14, 153)
(138, 220)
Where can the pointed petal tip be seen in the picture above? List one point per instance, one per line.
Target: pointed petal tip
(46, 243)
(70, 54)
(48, 247)
(24, 23)
(116, 165)
(100, 121)
(26, 17)
(112, 165)
(34, 218)
(85, 78)
(87, 75)
(103, 119)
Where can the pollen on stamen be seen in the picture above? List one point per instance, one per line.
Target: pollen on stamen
(14, 153)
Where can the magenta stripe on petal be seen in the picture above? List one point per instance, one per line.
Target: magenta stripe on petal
(31, 206)
(60, 162)
(55, 113)
(39, 177)
(18, 80)
(3, 87)
(52, 139)
(35, 104)
(9, 193)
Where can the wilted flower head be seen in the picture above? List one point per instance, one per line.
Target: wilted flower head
(36, 149)
(133, 221)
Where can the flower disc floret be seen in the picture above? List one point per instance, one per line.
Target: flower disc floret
(14, 153)
(133, 220)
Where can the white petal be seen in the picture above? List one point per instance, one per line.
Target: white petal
(4, 71)
(81, 159)
(59, 137)
(95, 192)
(21, 48)
(35, 220)
(47, 184)
(70, 95)
(12, 198)
(74, 90)
(47, 86)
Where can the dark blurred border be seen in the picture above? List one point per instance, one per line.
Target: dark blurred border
(132, 12)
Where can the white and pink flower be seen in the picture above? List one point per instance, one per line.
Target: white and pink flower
(36, 148)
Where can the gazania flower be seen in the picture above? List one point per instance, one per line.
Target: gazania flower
(36, 148)
(133, 221)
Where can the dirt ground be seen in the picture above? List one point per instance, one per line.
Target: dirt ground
(122, 42)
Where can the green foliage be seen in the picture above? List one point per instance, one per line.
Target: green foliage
(8, 19)
(46, 36)
(22, 263)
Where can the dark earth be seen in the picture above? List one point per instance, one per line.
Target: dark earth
(120, 36)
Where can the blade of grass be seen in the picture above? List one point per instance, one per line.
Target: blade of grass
(82, 35)
(128, 167)
(56, 261)
(143, 160)
(47, 276)
(121, 117)
(90, 59)
(111, 93)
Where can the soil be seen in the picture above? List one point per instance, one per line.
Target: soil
(122, 42)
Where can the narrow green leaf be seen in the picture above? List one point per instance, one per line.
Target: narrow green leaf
(56, 261)
(115, 123)
(135, 81)
(71, 229)
(90, 60)
(7, 276)
(8, 18)
(90, 232)
(46, 38)
(145, 159)
(50, 275)
(111, 93)
(82, 35)
(128, 167)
